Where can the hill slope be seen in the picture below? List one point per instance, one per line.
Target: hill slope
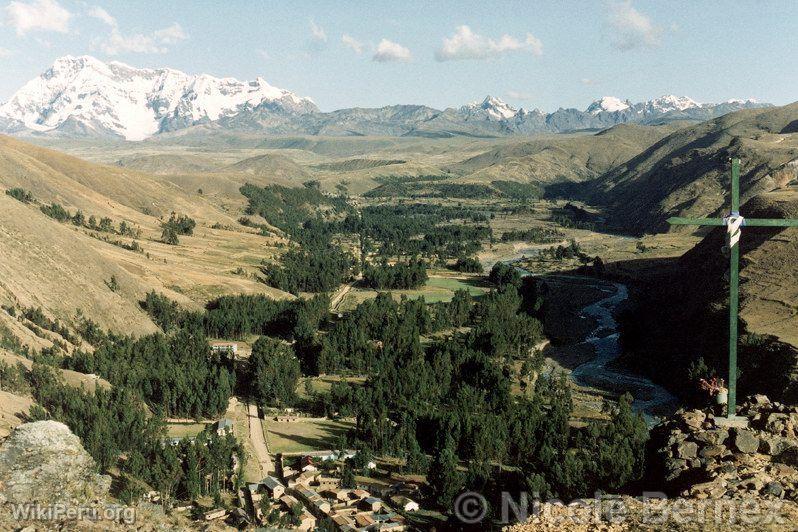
(682, 313)
(686, 173)
(63, 267)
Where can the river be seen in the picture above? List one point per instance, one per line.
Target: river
(650, 399)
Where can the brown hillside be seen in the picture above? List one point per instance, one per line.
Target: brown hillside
(686, 173)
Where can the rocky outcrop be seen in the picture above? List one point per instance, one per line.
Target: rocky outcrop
(702, 456)
(44, 462)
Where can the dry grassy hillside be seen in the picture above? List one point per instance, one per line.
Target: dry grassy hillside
(62, 268)
(686, 174)
(562, 158)
(682, 311)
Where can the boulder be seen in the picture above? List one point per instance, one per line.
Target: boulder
(45, 462)
(687, 450)
(773, 488)
(745, 441)
(712, 437)
(712, 451)
(693, 419)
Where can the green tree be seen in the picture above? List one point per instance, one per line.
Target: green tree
(444, 479)
(275, 372)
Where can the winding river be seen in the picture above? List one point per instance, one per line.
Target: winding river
(650, 399)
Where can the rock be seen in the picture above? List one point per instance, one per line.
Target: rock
(714, 489)
(777, 424)
(712, 437)
(728, 469)
(774, 445)
(759, 400)
(745, 441)
(45, 462)
(687, 450)
(773, 488)
(693, 419)
(712, 451)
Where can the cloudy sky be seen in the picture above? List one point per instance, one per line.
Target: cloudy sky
(374, 53)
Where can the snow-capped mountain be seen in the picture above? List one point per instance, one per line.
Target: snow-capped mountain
(490, 108)
(85, 96)
(608, 104)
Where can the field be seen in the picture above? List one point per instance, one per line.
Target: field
(441, 286)
(305, 435)
(322, 383)
(183, 430)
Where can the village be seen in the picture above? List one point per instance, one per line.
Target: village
(298, 489)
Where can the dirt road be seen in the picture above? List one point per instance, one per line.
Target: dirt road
(258, 440)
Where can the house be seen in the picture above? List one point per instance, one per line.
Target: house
(372, 504)
(343, 522)
(224, 426)
(288, 502)
(364, 520)
(327, 482)
(230, 348)
(216, 513)
(339, 494)
(358, 495)
(306, 521)
(274, 487)
(404, 503)
(306, 464)
(254, 492)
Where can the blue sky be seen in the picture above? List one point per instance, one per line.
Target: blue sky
(345, 54)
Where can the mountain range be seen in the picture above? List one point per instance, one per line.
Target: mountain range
(85, 97)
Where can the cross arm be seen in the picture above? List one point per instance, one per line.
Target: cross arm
(696, 221)
(770, 222)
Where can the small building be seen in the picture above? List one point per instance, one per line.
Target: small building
(372, 504)
(306, 521)
(364, 520)
(230, 348)
(306, 464)
(339, 494)
(404, 503)
(327, 482)
(224, 426)
(273, 487)
(216, 513)
(359, 494)
(288, 502)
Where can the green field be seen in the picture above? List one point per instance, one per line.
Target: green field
(305, 435)
(439, 287)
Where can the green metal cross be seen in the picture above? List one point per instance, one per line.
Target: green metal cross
(734, 222)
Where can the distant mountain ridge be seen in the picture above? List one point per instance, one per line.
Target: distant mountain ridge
(85, 97)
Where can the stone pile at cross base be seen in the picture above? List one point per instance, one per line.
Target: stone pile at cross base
(699, 457)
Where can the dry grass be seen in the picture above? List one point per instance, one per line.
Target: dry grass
(305, 435)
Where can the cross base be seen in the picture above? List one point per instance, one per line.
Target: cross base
(739, 422)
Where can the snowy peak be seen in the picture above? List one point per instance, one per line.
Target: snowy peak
(670, 103)
(85, 94)
(609, 104)
(491, 108)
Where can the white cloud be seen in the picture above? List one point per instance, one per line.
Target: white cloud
(352, 43)
(631, 28)
(171, 34)
(389, 51)
(317, 32)
(5, 52)
(519, 95)
(103, 15)
(465, 44)
(42, 15)
(153, 43)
